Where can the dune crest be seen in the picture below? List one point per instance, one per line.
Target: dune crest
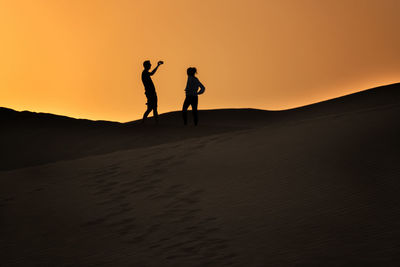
(313, 186)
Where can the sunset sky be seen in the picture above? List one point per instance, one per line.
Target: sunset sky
(83, 58)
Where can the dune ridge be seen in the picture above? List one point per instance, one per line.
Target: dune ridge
(313, 186)
(54, 137)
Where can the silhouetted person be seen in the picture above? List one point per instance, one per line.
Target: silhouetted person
(150, 90)
(192, 91)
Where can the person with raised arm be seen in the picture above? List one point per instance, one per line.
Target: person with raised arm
(150, 90)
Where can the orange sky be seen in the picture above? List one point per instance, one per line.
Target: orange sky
(83, 58)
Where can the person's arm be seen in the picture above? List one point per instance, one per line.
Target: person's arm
(155, 69)
(202, 88)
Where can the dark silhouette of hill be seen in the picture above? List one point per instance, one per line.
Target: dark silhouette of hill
(29, 138)
(312, 186)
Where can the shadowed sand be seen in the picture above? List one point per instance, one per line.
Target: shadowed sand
(313, 186)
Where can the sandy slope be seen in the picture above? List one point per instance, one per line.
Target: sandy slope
(305, 190)
(29, 139)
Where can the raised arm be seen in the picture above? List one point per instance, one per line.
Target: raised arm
(155, 69)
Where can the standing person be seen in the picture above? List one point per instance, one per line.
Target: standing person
(150, 90)
(192, 91)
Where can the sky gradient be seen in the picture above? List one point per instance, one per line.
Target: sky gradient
(83, 58)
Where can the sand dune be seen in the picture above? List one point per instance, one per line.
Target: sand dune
(313, 186)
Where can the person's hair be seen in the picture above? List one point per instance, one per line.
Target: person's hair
(191, 71)
(146, 63)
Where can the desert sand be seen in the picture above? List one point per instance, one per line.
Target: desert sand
(313, 186)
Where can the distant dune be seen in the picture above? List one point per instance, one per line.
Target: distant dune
(312, 186)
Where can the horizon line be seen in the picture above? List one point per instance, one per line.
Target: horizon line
(211, 109)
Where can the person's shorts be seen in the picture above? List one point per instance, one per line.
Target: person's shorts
(151, 100)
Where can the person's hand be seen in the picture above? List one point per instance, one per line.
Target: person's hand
(160, 63)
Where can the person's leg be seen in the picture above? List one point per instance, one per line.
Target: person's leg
(155, 112)
(195, 101)
(186, 104)
(146, 113)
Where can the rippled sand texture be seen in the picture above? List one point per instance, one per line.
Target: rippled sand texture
(315, 186)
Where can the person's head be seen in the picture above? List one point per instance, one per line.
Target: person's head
(147, 65)
(191, 71)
